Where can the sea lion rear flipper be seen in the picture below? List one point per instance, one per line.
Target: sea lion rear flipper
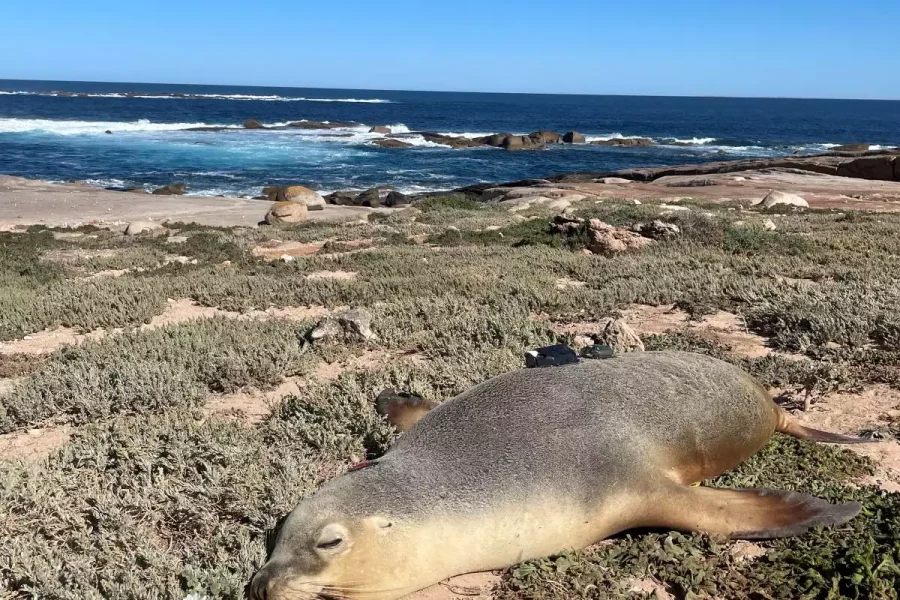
(747, 514)
(789, 426)
(402, 409)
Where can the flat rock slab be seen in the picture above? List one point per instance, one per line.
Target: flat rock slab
(29, 202)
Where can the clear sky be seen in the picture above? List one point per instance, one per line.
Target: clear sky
(798, 48)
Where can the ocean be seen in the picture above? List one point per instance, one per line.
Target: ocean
(55, 131)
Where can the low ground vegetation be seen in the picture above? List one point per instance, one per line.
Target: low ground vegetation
(153, 497)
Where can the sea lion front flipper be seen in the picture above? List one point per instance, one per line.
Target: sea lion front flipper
(746, 514)
(402, 409)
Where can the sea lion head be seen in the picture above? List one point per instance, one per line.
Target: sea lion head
(327, 549)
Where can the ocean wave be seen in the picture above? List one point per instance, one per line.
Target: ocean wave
(181, 96)
(694, 141)
(93, 127)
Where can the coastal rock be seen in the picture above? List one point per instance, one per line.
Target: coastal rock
(138, 227)
(271, 192)
(546, 137)
(449, 140)
(380, 129)
(619, 336)
(775, 198)
(395, 198)
(520, 142)
(769, 225)
(370, 198)
(304, 195)
(108, 132)
(286, 212)
(573, 137)
(879, 168)
(657, 230)
(321, 124)
(613, 180)
(342, 198)
(851, 148)
(175, 189)
(355, 323)
(253, 124)
(606, 239)
(624, 142)
(391, 143)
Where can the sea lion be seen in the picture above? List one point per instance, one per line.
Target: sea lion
(537, 461)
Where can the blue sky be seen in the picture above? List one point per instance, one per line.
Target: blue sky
(797, 48)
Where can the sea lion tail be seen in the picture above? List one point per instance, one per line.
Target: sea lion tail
(787, 425)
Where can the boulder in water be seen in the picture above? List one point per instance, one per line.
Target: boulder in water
(380, 129)
(546, 137)
(175, 189)
(391, 143)
(628, 142)
(573, 137)
(253, 124)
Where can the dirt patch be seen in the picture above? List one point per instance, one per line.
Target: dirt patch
(73, 255)
(474, 586)
(251, 406)
(653, 589)
(108, 273)
(33, 445)
(564, 283)
(367, 361)
(722, 327)
(176, 312)
(7, 384)
(873, 408)
(339, 275)
(275, 249)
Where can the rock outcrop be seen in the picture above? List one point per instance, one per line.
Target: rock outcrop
(301, 194)
(573, 137)
(775, 198)
(174, 189)
(138, 227)
(286, 212)
(546, 137)
(852, 148)
(391, 143)
(321, 124)
(380, 129)
(253, 124)
(606, 239)
(628, 142)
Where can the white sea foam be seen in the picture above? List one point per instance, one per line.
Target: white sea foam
(605, 137)
(93, 127)
(180, 96)
(694, 141)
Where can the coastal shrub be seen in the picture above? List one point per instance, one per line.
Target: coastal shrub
(139, 372)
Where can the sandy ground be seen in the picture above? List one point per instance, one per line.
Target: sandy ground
(30, 202)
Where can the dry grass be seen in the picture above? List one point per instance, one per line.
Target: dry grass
(151, 497)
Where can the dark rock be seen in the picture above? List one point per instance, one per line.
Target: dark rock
(175, 189)
(573, 137)
(391, 143)
(657, 230)
(546, 137)
(108, 132)
(253, 124)
(271, 192)
(596, 351)
(321, 124)
(628, 142)
(851, 148)
(380, 129)
(342, 198)
(550, 356)
(879, 168)
(370, 198)
(449, 140)
(395, 198)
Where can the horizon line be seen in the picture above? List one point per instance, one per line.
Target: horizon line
(725, 97)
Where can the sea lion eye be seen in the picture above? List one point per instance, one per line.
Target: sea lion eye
(330, 544)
